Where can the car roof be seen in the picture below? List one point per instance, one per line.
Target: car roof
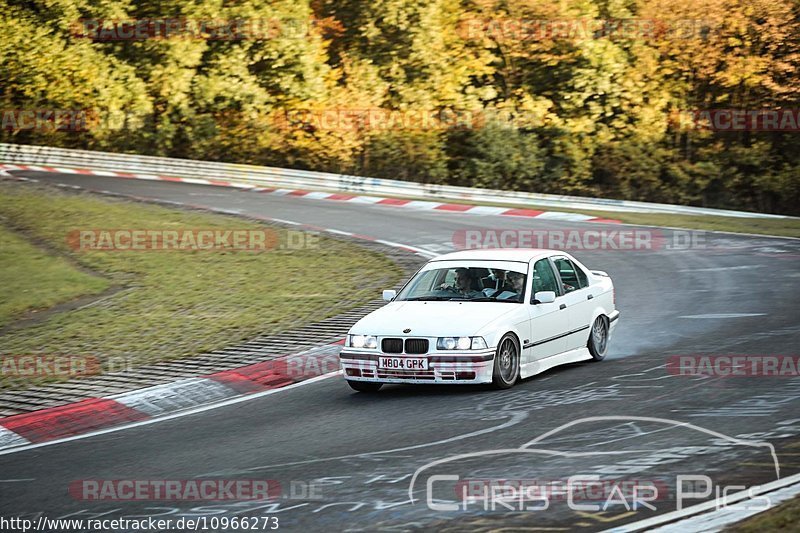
(498, 254)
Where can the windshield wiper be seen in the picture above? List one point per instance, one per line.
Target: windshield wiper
(484, 299)
(425, 298)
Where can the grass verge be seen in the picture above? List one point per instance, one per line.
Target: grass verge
(784, 517)
(33, 279)
(173, 304)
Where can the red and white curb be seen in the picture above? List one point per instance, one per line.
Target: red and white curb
(405, 247)
(419, 205)
(93, 414)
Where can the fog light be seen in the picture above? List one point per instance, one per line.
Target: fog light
(478, 343)
(363, 341)
(357, 341)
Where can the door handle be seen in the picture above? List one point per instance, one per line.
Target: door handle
(562, 306)
(590, 297)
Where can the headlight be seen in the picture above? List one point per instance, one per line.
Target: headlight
(446, 343)
(460, 343)
(363, 341)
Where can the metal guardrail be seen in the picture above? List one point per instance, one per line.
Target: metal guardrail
(304, 179)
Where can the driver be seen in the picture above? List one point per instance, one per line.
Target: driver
(463, 284)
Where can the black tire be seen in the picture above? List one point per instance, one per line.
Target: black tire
(365, 386)
(506, 362)
(598, 338)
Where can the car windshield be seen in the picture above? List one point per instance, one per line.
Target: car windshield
(456, 283)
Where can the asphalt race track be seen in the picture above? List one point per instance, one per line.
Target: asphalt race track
(345, 461)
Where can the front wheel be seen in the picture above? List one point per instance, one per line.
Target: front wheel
(364, 386)
(506, 363)
(598, 338)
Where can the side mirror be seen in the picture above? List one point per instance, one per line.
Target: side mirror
(389, 295)
(544, 297)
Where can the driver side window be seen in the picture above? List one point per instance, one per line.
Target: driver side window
(543, 277)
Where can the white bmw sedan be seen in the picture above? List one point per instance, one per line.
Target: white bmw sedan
(483, 316)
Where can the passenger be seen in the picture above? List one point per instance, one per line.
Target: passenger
(496, 281)
(517, 281)
(516, 289)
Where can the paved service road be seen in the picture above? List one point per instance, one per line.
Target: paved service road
(345, 461)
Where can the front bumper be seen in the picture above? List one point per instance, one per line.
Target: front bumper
(457, 368)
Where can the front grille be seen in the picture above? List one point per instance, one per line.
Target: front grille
(406, 374)
(416, 346)
(425, 375)
(392, 345)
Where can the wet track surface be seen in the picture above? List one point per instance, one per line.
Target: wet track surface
(346, 461)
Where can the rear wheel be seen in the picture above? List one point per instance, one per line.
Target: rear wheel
(364, 386)
(598, 338)
(506, 363)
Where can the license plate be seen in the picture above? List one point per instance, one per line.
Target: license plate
(404, 363)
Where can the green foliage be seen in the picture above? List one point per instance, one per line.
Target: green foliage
(406, 156)
(497, 157)
(564, 108)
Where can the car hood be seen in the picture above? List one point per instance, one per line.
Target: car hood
(432, 319)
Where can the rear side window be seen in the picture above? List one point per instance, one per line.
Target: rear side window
(581, 275)
(543, 277)
(572, 277)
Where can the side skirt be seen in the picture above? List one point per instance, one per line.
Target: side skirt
(540, 365)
